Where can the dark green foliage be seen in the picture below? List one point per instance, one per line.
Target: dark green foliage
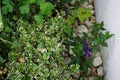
(35, 36)
(1, 60)
(36, 53)
(94, 41)
(8, 6)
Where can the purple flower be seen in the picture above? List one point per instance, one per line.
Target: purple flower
(87, 49)
(54, 1)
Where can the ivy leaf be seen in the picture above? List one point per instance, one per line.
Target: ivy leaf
(84, 13)
(24, 9)
(39, 19)
(46, 8)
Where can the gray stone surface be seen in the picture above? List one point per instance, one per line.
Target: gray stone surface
(100, 71)
(97, 61)
(109, 12)
(82, 29)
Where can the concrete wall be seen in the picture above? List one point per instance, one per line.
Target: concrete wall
(109, 12)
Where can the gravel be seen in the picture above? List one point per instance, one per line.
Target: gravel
(97, 61)
(100, 71)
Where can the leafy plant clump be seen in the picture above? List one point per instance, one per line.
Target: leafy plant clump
(37, 33)
(89, 44)
(37, 51)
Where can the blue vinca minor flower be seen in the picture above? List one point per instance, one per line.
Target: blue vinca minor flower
(87, 49)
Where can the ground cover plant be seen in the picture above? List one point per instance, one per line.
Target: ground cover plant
(37, 37)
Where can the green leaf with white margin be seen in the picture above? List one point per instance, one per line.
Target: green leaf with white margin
(24, 9)
(46, 8)
(74, 68)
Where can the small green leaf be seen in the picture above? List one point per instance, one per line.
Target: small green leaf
(47, 73)
(75, 60)
(1, 60)
(40, 1)
(89, 63)
(102, 26)
(74, 68)
(16, 43)
(70, 21)
(46, 56)
(101, 37)
(7, 8)
(84, 13)
(78, 50)
(46, 8)
(68, 30)
(24, 9)
(108, 35)
(104, 44)
(4, 10)
(96, 41)
(95, 48)
(39, 19)
(10, 8)
(32, 1)
(85, 35)
(5, 1)
(85, 68)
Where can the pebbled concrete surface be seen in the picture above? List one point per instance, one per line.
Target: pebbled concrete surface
(109, 12)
